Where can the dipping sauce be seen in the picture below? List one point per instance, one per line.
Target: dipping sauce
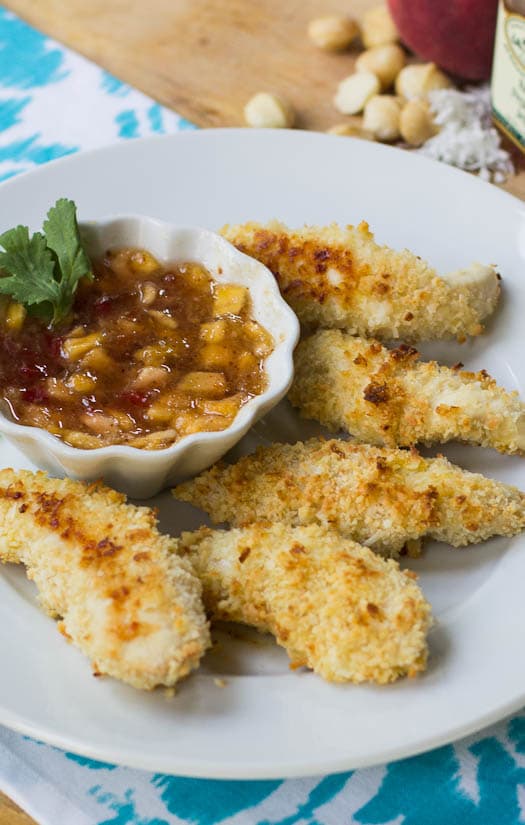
(151, 353)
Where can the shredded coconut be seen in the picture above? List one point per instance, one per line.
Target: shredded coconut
(467, 138)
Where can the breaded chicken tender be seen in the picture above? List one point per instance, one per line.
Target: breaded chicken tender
(340, 277)
(333, 605)
(388, 397)
(384, 498)
(125, 598)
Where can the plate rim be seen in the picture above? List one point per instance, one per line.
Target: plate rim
(232, 771)
(247, 133)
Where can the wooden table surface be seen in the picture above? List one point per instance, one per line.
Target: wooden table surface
(205, 58)
(11, 814)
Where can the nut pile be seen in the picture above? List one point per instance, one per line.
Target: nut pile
(390, 97)
(384, 98)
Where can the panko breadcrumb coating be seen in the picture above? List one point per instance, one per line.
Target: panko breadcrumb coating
(384, 498)
(388, 397)
(333, 605)
(340, 277)
(125, 598)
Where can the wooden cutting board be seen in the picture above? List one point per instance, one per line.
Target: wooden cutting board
(205, 58)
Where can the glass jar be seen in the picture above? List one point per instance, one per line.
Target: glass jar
(508, 71)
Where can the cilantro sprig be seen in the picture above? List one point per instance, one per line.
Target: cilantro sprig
(42, 271)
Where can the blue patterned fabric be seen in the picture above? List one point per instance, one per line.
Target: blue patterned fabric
(480, 780)
(47, 97)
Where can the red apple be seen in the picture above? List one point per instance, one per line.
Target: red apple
(458, 35)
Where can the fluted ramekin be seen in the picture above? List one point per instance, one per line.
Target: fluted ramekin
(142, 473)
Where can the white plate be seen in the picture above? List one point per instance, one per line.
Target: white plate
(268, 721)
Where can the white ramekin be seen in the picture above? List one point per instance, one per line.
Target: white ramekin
(142, 473)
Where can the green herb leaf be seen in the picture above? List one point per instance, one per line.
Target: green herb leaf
(63, 238)
(42, 272)
(31, 268)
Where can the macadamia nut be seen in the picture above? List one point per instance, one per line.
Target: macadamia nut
(353, 127)
(384, 61)
(416, 123)
(267, 111)
(419, 79)
(355, 91)
(378, 28)
(382, 115)
(333, 33)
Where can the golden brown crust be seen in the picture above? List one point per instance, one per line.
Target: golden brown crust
(339, 277)
(126, 599)
(334, 606)
(384, 498)
(387, 397)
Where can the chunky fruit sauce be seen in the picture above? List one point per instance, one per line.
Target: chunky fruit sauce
(150, 353)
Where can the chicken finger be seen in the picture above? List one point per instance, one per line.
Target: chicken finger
(335, 277)
(385, 498)
(387, 397)
(333, 605)
(125, 598)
